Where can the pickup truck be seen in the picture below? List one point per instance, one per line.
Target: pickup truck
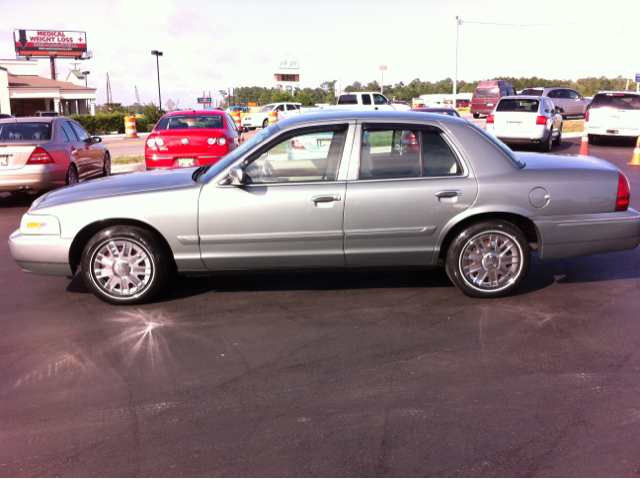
(365, 100)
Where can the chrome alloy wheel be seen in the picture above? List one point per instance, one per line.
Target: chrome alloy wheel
(122, 268)
(491, 261)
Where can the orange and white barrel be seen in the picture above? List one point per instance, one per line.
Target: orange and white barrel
(192, 122)
(130, 127)
(273, 117)
(235, 114)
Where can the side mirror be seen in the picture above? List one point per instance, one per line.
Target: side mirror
(96, 139)
(238, 175)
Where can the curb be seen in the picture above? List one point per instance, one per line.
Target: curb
(123, 136)
(119, 169)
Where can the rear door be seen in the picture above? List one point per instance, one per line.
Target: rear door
(408, 183)
(93, 152)
(76, 149)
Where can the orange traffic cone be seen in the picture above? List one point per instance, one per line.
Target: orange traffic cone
(635, 159)
(584, 146)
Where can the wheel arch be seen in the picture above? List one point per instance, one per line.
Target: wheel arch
(523, 223)
(85, 234)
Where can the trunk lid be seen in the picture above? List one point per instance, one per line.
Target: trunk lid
(196, 142)
(15, 156)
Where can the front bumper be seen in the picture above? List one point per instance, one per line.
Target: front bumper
(580, 235)
(33, 177)
(41, 254)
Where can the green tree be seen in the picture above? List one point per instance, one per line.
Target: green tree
(152, 113)
(304, 98)
(280, 96)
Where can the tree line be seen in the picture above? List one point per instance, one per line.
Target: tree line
(326, 92)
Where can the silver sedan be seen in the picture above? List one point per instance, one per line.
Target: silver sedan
(45, 153)
(393, 189)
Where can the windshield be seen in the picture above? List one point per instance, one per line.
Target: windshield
(487, 93)
(265, 109)
(36, 130)
(504, 148)
(530, 106)
(616, 101)
(190, 122)
(215, 168)
(531, 92)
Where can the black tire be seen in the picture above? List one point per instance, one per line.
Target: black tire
(252, 128)
(121, 283)
(72, 176)
(476, 116)
(507, 271)
(265, 123)
(558, 140)
(106, 167)
(546, 145)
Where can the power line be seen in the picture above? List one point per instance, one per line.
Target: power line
(534, 24)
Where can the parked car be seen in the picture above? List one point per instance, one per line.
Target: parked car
(191, 138)
(463, 103)
(487, 94)
(405, 103)
(5, 115)
(260, 119)
(571, 101)
(614, 113)
(366, 100)
(44, 153)
(441, 111)
(458, 197)
(46, 113)
(527, 119)
(241, 109)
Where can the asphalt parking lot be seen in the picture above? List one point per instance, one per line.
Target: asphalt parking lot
(359, 373)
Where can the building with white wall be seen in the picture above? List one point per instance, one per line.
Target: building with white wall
(23, 92)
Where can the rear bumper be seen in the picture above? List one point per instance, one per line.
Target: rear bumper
(36, 177)
(164, 162)
(612, 130)
(580, 235)
(41, 254)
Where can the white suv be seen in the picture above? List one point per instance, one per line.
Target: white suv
(614, 113)
(260, 119)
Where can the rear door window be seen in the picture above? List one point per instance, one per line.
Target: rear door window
(291, 107)
(366, 99)
(80, 133)
(574, 95)
(66, 128)
(616, 101)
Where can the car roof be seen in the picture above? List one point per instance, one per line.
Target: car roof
(523, 97)
(346, 115)
(29, 119)
(428, 108)
(629, 92)
(194, 112)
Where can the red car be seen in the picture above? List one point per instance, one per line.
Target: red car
(191, 138)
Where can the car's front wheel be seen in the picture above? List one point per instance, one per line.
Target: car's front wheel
(265, 123)
(488, 259)
(125, 265)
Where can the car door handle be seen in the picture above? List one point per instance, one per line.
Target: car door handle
(448, 193)
(375, 108)
(325, 199)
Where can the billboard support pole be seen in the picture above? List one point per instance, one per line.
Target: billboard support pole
(52, 61)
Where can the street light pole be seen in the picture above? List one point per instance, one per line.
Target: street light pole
(455, 80)
(158, 54)
(86, 84)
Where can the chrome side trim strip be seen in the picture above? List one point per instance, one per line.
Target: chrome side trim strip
(256, 238)
(188, 240)
(601, 220)
(419, 230)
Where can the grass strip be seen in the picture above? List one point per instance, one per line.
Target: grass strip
(127, 160)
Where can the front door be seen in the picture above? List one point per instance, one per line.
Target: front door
(410, 184)
(289, 214)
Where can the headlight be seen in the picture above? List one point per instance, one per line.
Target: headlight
(39, 225)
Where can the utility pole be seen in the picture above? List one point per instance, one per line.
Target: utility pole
(158, 54)
(455, 80)
(382, 69)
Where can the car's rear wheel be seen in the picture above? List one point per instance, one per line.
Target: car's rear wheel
(252, 128)
(546, 145)
(488, 259)
(106, 168)
(558, 140)
(125, 265)
(72, 175)
(265, 123)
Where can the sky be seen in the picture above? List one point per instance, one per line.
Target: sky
(211, 45)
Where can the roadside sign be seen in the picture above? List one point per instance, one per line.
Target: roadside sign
(204, 100)
(47, 42)
(637, 77)
(252, 104)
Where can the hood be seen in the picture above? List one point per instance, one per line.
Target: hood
(119, 185)
(539, 161)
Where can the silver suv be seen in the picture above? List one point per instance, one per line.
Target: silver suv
(571, 101)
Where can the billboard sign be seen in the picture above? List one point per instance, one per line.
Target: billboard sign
(289, 62)
(50, 42)
(204, 100)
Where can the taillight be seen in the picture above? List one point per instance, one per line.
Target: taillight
(39, 157)
(490, 119)
(222, 141)
(624, 192)
(151, 143)
(541, 120)
(296, 145)
(412, 138)
(586, 117)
